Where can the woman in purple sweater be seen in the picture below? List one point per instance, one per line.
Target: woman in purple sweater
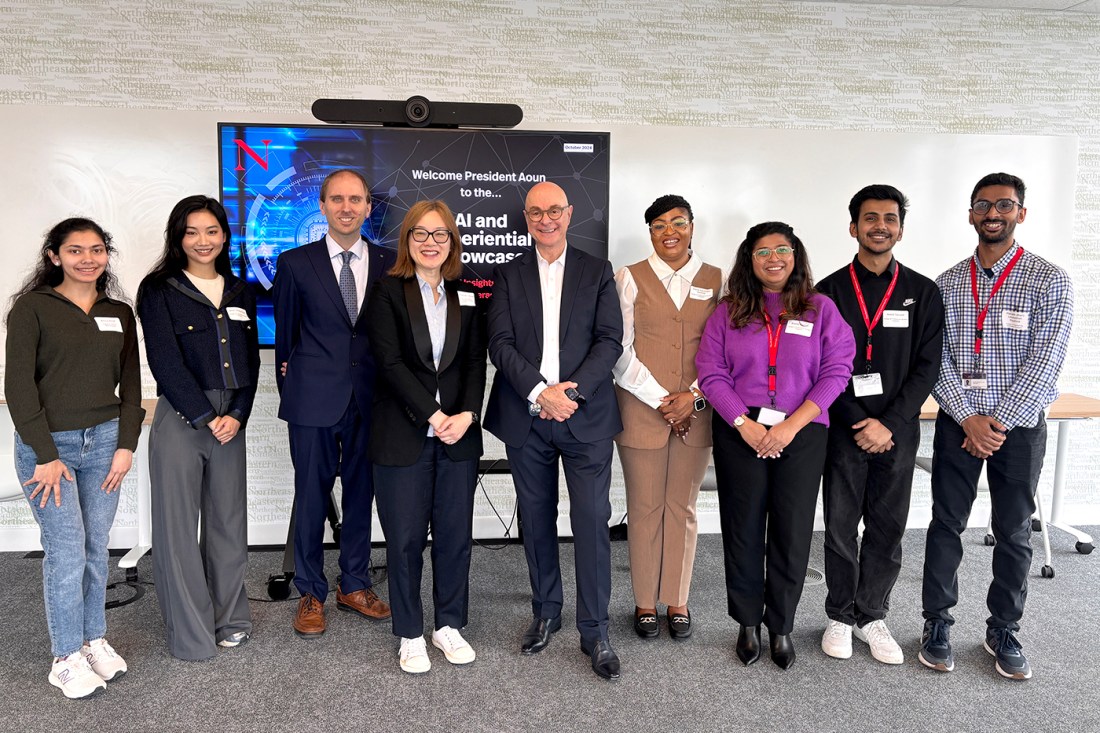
(773, 357)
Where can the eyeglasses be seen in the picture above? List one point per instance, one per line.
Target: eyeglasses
(763, 253)
(680, 224)
(554, 212)
(420, 234)
(1003, 206)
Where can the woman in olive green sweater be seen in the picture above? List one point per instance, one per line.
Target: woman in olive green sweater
(71, 346)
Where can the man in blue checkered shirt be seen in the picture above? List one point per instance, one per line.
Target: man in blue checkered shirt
(1008, 319)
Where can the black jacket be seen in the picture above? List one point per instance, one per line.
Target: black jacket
(407, 381)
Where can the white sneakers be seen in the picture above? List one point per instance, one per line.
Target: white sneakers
(75, 677)
(414, 652)
(414, 656)
(454, 647)
(104, 660)
(837, 640)
(87, 672)
(883, 646)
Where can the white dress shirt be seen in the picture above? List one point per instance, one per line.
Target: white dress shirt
(551, 275)
(360, 266)
(629, 372)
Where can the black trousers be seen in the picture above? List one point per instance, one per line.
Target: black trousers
(1013, 473)
(434, 494)
(875, 488)
(588, 479)
(766, 509)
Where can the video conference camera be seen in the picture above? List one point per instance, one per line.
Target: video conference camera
(416, 111)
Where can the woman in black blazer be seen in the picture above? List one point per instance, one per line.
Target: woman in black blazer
(199, 323)
(427, 332)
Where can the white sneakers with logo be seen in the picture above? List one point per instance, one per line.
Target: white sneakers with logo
(837, 640)
(75, 677)
(883, 646)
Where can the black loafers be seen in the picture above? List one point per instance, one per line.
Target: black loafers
(782, 649)
(605, 662)
(748, 644)
(538, 633)
(679, 625)
(645, 624)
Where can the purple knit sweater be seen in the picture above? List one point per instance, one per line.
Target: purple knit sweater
(733, 362)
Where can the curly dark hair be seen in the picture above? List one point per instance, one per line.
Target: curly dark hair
(744, 292)
(47, 273)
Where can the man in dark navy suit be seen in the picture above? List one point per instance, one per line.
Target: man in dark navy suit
(555, 332)
(321, 343)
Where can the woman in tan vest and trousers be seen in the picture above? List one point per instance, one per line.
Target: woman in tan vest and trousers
(666, 440)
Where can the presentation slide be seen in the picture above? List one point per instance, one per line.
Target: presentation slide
(271, 178)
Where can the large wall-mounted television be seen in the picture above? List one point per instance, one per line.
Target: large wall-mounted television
(271, 177)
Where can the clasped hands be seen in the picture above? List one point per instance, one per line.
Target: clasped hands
(450, 428)
(555, 405)
(984, 435)
(767, 442)
(872, 436)
(677, 409)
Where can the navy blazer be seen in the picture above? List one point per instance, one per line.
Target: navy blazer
(194, 346)
(591, 340)
(328, 358)
(405, 392)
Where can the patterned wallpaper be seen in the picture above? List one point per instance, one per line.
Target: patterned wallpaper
(599, 62)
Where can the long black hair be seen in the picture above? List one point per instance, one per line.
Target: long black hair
(46, 273)
(174, 260)
(744, 292)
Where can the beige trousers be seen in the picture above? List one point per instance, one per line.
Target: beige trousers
(661, 488)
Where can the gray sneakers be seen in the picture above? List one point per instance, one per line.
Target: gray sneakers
(1011, 662)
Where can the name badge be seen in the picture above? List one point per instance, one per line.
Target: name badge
(701, 293)
(770, 417)
(466, 299)
(975, 380)
(108, 323)
(1016, 320)
(895, 319)
(800, 328)
(237, 314)
(865, 385)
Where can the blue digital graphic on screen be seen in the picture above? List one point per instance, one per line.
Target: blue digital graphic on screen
(271, 179)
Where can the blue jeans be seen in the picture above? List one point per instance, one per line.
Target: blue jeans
(74, 535)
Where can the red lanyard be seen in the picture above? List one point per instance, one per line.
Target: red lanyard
(983, 312)
(863, 305)
(773, 351)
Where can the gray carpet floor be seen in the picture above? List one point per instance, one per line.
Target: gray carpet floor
(349, 678)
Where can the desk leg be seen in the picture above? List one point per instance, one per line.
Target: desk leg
(1084, 541)
(145, 518)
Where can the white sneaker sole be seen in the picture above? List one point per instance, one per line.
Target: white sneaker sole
(837, 653)
(412, 667)
(938, 666)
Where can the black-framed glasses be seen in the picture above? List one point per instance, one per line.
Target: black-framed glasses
(680, 224)
(1004, 206)
(420, 234)
(764, 253)
(554, 213)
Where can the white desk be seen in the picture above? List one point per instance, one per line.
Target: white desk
(1066, 410)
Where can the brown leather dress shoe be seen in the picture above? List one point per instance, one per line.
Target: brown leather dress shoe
(364, 602)
(309, 621)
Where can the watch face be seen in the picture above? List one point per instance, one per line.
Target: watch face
(700, 404)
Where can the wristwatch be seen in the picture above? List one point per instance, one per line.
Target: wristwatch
(738, 421)
(700, 401)
(474, 417)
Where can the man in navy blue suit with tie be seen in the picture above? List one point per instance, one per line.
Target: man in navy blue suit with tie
(555, 332)
(326, 390)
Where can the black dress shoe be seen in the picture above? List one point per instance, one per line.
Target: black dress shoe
(605, 662)
(679, 625)
(645, 624)
(538, 633)
(782, 649)
(748, 644)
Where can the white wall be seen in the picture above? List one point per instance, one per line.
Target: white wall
(601, 64)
